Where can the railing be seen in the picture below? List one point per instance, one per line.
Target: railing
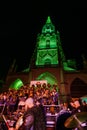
(53, 109)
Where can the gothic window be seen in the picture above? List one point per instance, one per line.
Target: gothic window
(47, 43)
(78, 88)
(47, 26)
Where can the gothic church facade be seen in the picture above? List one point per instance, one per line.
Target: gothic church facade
(49, 63)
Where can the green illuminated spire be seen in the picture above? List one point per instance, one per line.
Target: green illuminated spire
(47, 47)
(48, 27)
(48, 20)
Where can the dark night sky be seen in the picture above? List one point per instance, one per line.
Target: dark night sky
(20, 25)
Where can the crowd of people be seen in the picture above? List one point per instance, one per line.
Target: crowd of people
(12, 98)
(25, 107)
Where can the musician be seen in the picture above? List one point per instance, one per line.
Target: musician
(61, 118)
(75, 105)
(33, 118)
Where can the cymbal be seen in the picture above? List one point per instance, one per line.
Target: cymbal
(72, 122)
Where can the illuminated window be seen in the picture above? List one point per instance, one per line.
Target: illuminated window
(48, 44)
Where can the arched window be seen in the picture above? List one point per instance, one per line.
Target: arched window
(48, 44)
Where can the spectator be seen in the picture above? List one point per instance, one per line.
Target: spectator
(63, 115)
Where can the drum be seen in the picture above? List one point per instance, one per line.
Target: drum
(77, 121)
